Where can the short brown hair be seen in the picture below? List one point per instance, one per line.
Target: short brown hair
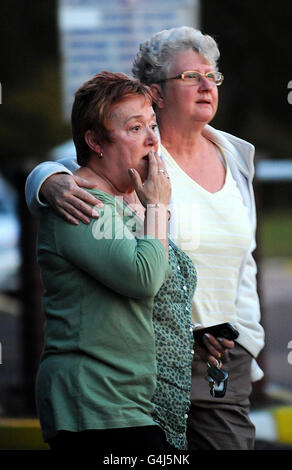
(93, 103)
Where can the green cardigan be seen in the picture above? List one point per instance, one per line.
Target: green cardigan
(98, 367)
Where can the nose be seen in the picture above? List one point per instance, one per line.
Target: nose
(151, 137)
(205, 84)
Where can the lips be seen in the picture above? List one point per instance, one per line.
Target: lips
(203, 102)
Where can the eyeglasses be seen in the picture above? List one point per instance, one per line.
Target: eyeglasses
(194, 77)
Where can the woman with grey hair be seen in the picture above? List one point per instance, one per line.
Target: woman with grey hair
(211, 175)
(155, 56)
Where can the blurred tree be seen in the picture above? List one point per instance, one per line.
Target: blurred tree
(255, 43)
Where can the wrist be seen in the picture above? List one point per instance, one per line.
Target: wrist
(159, 206)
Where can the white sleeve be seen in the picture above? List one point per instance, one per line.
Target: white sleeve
(248, 310)
(39, 174)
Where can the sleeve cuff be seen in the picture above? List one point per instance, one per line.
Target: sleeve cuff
(39, 202)
(256, 372)
(35, 181)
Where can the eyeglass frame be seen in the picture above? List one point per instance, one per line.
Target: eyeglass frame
(181, 76)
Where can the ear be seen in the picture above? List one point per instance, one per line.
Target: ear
(89, 137)
(157, 95)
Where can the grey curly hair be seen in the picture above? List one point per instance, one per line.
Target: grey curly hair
(152, 62)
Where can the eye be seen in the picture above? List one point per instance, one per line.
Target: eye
(136, 128)
(211, 76)
(192, 75)
(154, 126)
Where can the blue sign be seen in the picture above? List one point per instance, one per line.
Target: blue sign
(98, 35)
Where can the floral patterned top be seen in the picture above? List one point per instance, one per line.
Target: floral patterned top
(174, 347)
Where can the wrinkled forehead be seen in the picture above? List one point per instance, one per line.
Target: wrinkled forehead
(131, 107)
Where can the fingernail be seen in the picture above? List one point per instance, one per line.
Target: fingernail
(95, 213)
(131, 171)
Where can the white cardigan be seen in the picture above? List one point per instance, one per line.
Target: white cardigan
(240, 157)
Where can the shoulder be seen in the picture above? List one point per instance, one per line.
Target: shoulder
(102, 195)
(237, 150)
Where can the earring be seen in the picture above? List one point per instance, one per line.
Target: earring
(99, 155)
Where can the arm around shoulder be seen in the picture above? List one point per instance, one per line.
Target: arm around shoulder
(35, 180)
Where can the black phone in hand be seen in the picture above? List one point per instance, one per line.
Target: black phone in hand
(222, 330)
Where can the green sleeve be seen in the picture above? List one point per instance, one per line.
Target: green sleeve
(109, 252)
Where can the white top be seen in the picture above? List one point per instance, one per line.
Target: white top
(214, 230)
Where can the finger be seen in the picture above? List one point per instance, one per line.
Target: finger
(213, 346)
(153, 166)
(161, 162)
(95, 212)
(136, 179)
(74, 206)
(83, 182)
(88, 210)
(75, 213)
(87, 197)
(214, 351)
(214, 362)
(214, 342)
(162, 169)
(226, 343)
(67, 216)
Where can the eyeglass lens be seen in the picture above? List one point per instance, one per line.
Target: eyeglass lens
(196, 76)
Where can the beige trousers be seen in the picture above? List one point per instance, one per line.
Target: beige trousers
(222, 423)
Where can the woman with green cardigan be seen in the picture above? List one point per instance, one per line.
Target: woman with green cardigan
(115, 370)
